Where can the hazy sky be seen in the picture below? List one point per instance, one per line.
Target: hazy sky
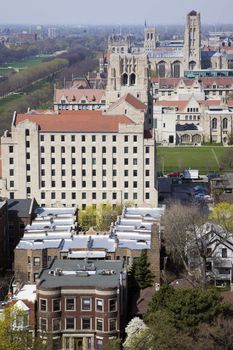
(113, 11)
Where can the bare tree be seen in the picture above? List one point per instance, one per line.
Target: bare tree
(186, 236)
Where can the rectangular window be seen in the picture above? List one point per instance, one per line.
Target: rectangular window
(43, 324)
(56, 324)
(86, 304)
(104, 138)
(36, 261)
(63, 195)
(93, 195)
(70, 304)
(93, 138)
(43, 305)
(72, 138)
(135, 150)
(52, 138)
(99, 304)
(114, 195)
(135, 161)
(104, 161)
(112, 325)
(86, 323)
(224, 252)
(83, 138)
(84, 196)
(112, 305)
(63, 138)
(99, 324)
(56, 305)
(11, 160)
(70, 322)
(114, 138)
(126, 138)
(11, 149)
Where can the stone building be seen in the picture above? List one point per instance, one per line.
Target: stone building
(73, 157)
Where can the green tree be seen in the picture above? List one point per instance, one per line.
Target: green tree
(222, 214)
(14, 334)
(143, 276)
(87, 217)
(187, 308)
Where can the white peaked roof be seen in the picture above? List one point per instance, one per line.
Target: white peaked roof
(20, 304)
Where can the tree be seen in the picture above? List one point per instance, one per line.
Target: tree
(186, 309)
(14, 334)
(143, 276)
(185, 239)
(100, 218)
(222, 214)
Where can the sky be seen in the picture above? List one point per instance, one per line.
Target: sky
(76, 12)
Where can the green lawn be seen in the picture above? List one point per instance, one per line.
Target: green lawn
(24, 63)
(205, 159)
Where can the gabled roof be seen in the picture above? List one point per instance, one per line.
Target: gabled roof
(76, 121)
(72, 95)
(130, 99)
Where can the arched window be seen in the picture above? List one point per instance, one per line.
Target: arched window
(176, 69)
(214, 123)
(192, 65)
(161, 68)
(196, 138)
(124, 79)
(185, 138)
(224, 123)
(132, 79)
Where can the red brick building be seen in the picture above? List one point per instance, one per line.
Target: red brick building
(82, 305)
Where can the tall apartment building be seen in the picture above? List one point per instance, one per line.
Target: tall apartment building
(71, 158)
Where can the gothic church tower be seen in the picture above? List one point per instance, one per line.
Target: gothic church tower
(192, 41)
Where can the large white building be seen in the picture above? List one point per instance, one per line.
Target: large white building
(71, 158)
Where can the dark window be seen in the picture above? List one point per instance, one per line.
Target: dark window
(135, 150)
(93, 138)
(11, 172)
(93, 195)
(53, 184)
(73, 195)
(28, 167)
(56, 304)
(147, 195)
(69, 322)
(114, 138)
(84, 196)
(104, 138)
(27, 132)
(126, 138)
(52, 160)
(63, 195)
(42, 195)
(135, 173)
(114, 195)
(72, 149)
(42, 138)
(147, 161)
(73, 184)
(93, 183)
(73, 172)
(70, 304)
(27, 155)
(114, 184)
(114, 149)
(104, 195)
(63, 184)
(83, 138)
(72, 138)
(104, 161)
(62, 138)
(42, 149)
(99, 324)
(83, 161)
(126, 149)
(112, 305)
(126, 161)
(83, 183)
(52, 138)
(11, 149)
(126, 173)
(63, 172)
(73, 160)
(112, 325)
(63, 161)
(104, 149)
(83, 172)
(53, 172)
(53, 195)
(11, 160)
(135, 138)
(86, 323)
(114, 161)
(147, 172)
(224, 252)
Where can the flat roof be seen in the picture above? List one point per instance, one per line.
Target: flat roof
(71, 273)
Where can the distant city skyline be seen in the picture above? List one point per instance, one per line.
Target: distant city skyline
(76, 12)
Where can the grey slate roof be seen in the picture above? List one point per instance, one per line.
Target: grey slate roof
(82, 273)
(19, 207)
